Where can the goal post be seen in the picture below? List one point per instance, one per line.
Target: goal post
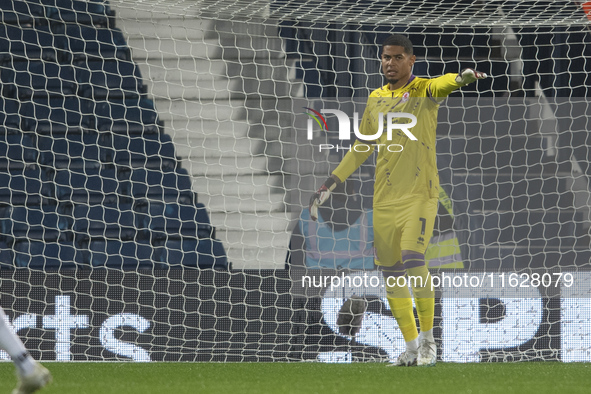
(240, 101)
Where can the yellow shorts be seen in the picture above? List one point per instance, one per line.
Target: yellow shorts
(405, 224)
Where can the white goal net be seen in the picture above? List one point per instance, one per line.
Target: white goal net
(157, 159)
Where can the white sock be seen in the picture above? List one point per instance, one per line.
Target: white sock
(428, 335)
(10, 342)
(413, 346)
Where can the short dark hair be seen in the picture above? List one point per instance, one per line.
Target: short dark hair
(399, 40)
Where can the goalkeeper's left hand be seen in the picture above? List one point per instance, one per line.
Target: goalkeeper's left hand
(469, 75)
(321, 196)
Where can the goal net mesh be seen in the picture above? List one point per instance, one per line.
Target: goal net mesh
(158, 159)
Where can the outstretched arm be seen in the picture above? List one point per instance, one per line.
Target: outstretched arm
(442, 86)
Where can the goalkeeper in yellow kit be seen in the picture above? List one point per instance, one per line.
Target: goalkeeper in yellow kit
(406, 187)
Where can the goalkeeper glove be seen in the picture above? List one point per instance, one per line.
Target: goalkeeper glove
(468, 75)
(321, 196)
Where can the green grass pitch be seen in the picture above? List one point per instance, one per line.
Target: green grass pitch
(309, 378)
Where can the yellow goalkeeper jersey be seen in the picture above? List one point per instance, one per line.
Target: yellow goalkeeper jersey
(404, 167)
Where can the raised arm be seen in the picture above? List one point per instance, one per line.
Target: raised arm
(442, 86)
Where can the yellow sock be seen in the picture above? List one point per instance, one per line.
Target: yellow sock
(424, 296)
(401, 306)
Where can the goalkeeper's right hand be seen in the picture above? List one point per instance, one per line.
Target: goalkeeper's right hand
(469, 75)
(321, 196)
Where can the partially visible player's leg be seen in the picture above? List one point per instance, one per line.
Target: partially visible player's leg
(400, 302)
(32, 375)
(417, 232)
(420, 280)
(387, 243)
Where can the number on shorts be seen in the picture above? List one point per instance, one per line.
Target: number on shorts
(423, 225)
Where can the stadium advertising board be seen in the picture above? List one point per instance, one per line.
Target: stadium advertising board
(265, 316)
